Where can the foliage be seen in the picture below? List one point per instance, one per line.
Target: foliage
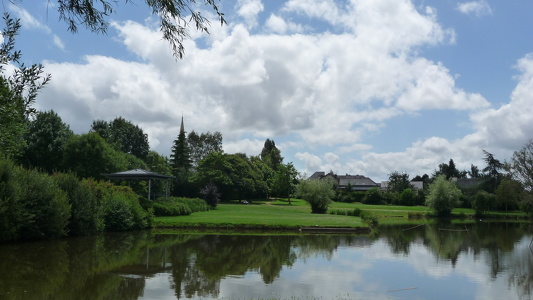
(235, 175)
(175, 17)
(123, 135)
(120, 206)
(88, 155)
(522, 165)
(202, 144)
(368, 218)
(398, 182)
(86, 215)
(284, 181)
(45, 210)
(408, 197)
(508, 194)
(443, 196)
(373, 196)
(46, 139)
(175, 206)
(210, 194)
(526, 204)
(17, 91)
(317, 192)
(181, 163)
(449, 171)
(492, 171)
(483, 202)
(10, 203)
(271, 155)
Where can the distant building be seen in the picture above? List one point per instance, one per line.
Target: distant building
(357, 182)
(417, 185)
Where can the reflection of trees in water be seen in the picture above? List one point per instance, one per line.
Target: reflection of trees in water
(76, 268)
(493, 242)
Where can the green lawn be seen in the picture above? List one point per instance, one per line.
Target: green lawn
(279, 214)
(260, 214)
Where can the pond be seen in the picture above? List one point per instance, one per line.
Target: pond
(430, 261)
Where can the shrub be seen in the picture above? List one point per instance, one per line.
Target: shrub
(120, 206)
(373, 196)
(317, 192)
(86, 216)
(175, 206)
(210, 194)
(370, 219)
(10, 205)
(45, 207)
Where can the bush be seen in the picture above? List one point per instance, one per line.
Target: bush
(10, 205)
(210, 194)
(370, 219)
(317, 192)
(373, 196)
(45, 207)
(175, 206)
(86, 216)
(120, 206)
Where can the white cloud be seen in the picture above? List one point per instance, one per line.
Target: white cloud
(249, 10)
(325, 90)
(477, 8)
(277, 24)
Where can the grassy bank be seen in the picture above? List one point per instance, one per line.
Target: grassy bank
(282, 216)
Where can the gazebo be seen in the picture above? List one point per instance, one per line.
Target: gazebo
(140, 174)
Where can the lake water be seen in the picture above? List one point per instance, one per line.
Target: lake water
(437, 261)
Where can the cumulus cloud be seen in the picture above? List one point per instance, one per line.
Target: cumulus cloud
(248, 10)
(476, 8)
(325, 90)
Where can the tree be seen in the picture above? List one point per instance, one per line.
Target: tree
(203, 144)
(124, 136)
(522, 165)
(180, 161)
(284, 181)
(398, 182)
(271, 155)
(492, 171)
(443, 196)
(46, 139)
(175, 17)
(474, 172)
(17, 91)
(508, 193)
(88, 155)
(317, 192)
(449, 170)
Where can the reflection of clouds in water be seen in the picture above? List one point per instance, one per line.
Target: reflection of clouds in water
(159, 287)
(372, 272)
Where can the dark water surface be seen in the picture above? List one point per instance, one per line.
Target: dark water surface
(489, 261)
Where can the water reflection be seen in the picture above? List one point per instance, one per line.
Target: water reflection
(432, 261)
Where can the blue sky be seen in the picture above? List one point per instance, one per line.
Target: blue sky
(358, 86)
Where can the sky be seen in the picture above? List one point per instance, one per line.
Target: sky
(365, 87)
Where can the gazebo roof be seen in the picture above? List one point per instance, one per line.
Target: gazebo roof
(136, 174)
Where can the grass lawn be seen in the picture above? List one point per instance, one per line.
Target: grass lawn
(278, 214)
(260, 214)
